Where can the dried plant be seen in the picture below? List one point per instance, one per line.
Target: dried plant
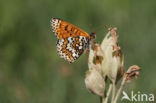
(106, 62)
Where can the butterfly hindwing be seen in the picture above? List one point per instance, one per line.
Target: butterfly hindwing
(71, 48)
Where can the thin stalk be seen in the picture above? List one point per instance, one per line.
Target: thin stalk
(120, 89)
(105, 100)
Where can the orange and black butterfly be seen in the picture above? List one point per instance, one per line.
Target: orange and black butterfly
(72, 41)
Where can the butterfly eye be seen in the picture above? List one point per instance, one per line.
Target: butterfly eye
(93, 35)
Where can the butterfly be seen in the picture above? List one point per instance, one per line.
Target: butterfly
(72, 41)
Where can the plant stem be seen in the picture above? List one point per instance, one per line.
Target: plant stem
(105, 100)
(120, 89)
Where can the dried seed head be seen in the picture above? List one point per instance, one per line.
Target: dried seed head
(113, 63)
(95, 82)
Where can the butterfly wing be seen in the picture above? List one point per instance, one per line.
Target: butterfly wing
(63, 29)
(71, 48)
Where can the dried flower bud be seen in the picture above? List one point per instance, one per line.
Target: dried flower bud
(133, 71)
(95, 82)
(112, 65)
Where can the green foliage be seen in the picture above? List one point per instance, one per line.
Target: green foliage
(32, 72)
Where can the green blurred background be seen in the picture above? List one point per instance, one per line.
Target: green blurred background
(32, 72)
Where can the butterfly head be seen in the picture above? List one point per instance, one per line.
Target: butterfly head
(93, 35)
